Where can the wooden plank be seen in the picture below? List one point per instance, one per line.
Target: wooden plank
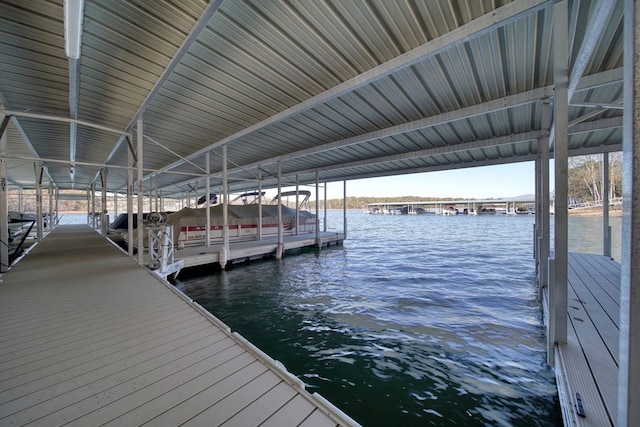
(238, 401)
(610, 265)
(317, 419)
(84, 331)
(85, 372)
(293, 412)
(45, 363)
(598, 279)
(206, 396)
(104, 407)
(584, 307)
(263, 407)
(592, 289)
(75, 387)
(573, 370)
(600, 363)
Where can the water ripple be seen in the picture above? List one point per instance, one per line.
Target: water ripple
(415, 321)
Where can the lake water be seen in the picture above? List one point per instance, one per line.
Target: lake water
(415, 320)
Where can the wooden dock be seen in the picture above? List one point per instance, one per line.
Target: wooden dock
(91, 338)
(587, 365)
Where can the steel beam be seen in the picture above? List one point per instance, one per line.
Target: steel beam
(629, 356)
(558, 292)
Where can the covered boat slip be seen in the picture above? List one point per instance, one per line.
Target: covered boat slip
(90, 338)
(587, 364)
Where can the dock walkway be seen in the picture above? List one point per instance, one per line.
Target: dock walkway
(587, 365)
(91, 338)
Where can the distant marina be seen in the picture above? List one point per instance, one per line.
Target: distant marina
(524, 205)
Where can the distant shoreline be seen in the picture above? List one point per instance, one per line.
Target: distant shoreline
(596, 211)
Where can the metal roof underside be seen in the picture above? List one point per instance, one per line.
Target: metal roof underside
(341, 89)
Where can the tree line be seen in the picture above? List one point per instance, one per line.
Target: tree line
(585, 178)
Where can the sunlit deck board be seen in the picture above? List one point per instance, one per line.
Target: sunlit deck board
(90, 338)
(588, 363)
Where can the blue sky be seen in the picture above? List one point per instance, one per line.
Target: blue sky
(500, 181)
(483, 182)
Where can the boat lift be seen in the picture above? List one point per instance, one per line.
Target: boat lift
(161, 249)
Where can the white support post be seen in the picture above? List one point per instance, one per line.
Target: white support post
(297, 207)
(104, 212)
(39, 229)
(93, 206)
(140, 177)
(259, 204)
(324, 207)
(280, 248)
(57, 200)
(4, 201)
(130, 201)
(561, 152)
(89, 206)
(318, 241)
(344, 209)
(545, 214)
(224, 251)
(629, 357)
(207, 201)
(606, 228)
(50, 220)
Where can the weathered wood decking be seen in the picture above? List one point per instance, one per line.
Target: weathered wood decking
(588, 363)
(90, 338)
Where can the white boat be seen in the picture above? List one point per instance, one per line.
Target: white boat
(189, 224)
(450, 211)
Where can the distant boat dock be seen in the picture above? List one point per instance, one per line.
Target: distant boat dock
(509, 206)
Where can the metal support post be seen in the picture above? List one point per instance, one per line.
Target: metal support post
(259, 204)
(51, 219)
(280, 248)
(297, 207)
(606, 229)
(324, 207)
(130, 162)
(545, 214)
(318, 241)
(629, 353)
(93, 206)
(224, 251)
(104, 212)
(561, 152)
(140, 177)
(344, 209)
(4, 201)
(207, 201)
(39, 229)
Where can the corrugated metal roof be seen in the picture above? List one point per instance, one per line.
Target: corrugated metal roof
(345, 89)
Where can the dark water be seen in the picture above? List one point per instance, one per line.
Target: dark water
(416, 320)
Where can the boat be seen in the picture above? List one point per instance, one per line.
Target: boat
(189, 224)
(486, 211)
(450, 211)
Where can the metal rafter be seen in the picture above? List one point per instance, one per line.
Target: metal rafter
(486, 23)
